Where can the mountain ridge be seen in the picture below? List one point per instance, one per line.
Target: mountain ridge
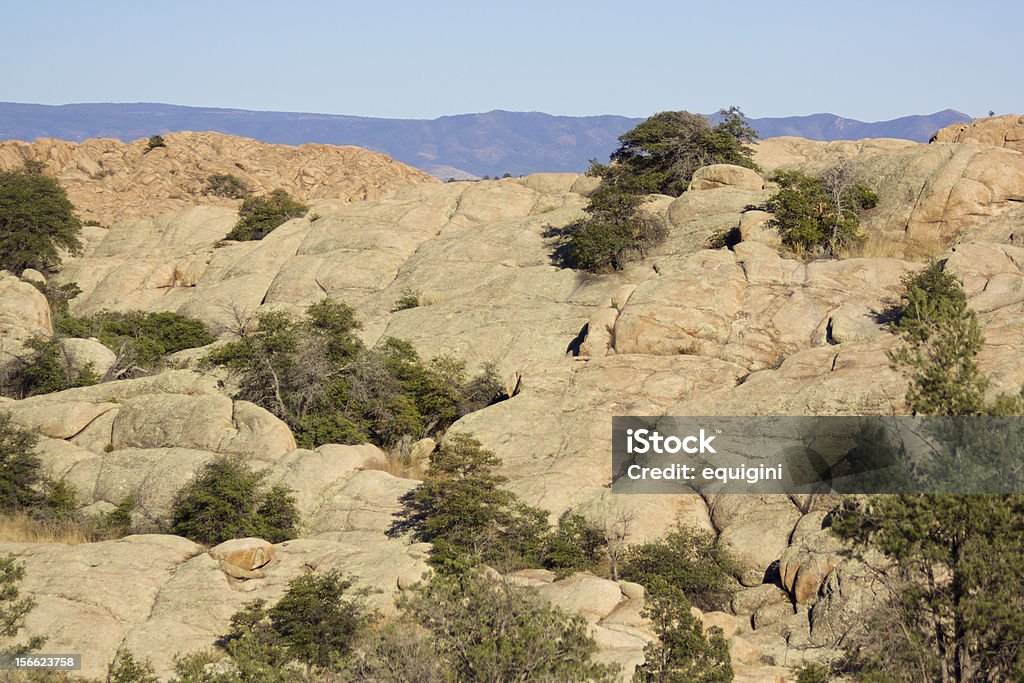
(457, 145)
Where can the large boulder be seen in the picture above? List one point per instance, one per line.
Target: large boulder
(88, 353)
(726, 175)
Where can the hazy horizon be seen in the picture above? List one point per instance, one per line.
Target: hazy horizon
(408, 60)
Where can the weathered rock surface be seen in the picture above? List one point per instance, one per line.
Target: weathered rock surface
(997, 131)
(108, 180)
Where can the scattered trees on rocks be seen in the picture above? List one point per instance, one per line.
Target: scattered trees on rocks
(228, 500)
(226, 185)
(317, 376)
(658, 156)
(36, 220)
(819, 216)
(259, 216)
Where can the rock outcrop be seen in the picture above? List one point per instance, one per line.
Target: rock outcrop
(996, 131)
(108, 180)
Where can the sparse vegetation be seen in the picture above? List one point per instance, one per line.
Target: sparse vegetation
(259, 216)
(13, 607)
(44, 369)
(658, 156)
(155, 141)
(36, 220)
(687, 560)
(228, 500)
(315, 374)
(410, 298)
(226, 185)
(683, 652)
(127, 669)
(819, 216)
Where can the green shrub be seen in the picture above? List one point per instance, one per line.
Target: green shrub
(20, 468)
(155, 141)
(261, 215)
(657, 156)
(308, 635)
(226, 185)
(316, 375)
(45, 369)
(228, 500)
(462, 510)
(687, 560)
(819, 215)
(36, 221)
(575, 545)
(13, 607)
(811, 672)
(410, 299)
(139, 339)
(127, 669)
(494, 632)
(683, 651)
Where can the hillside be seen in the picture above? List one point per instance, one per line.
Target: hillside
(492, 143)
(688, 330)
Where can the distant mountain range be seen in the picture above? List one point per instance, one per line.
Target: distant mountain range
(467, 145)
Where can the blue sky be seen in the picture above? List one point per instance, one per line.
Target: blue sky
(867, 60)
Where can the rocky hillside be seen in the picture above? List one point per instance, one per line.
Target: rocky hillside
(688, 331)
(997, 131)
(108, 180)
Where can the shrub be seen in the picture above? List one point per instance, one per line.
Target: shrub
(494, 632)
(819, 215)
(36, 221)
(576, 544)
(226, 185)
(13, 607)
(410, 299)
(657, 156)
(139, 339)
(127, 669)
(315, 374)
(228, 500)
(942, 338)
(315, 624)
(462, 510)
(687, 560)
(20, 475)
(155, 141)
(261, 215)
(683, 651)
(45, 369)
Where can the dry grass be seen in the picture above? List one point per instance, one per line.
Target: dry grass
(881, 245)
(399, 461)
(21, 528)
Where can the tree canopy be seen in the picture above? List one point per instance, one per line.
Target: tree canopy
(37, 220)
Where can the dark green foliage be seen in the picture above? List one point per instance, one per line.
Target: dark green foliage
(139, 339)
(258, 216)
(226, 185)
(20, 476)
(615, 232)
(493, 632)
(155, 141)
(943, 338)
(682, 653)
(687, 560)
(13, 607)
(462, 510)
(955, 602)
(58, 296)
(228, 500)
(44, 369)
(410, 299)
(308, 635)
(575, 545)
(661, 153)
(314, 620)
(317, 376)
(126, 669)
(36, 221)
(657, 156)
(819, 215)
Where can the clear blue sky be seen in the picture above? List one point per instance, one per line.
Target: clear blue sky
(868, 60)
